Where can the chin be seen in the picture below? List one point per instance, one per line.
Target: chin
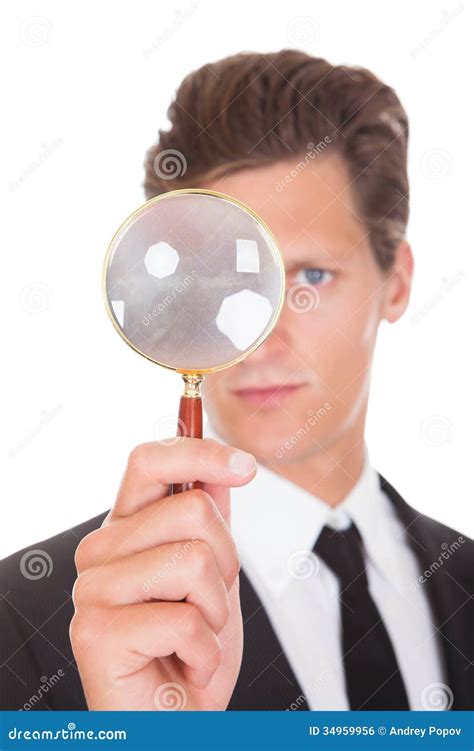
(277, 433)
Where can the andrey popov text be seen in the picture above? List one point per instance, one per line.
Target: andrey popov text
(431, 730)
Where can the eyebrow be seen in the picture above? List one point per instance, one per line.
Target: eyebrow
(311, 262)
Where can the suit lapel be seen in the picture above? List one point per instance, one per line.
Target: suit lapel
(266, 680)
(446, 591)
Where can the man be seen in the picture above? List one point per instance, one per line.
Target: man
(346, 597)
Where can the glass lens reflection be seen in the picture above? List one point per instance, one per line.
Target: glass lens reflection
(193, 281)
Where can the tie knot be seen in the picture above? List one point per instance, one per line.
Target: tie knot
(341, 550)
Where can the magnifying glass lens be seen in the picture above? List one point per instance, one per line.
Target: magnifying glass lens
(193, 281)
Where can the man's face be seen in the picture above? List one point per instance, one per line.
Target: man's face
(324, 339)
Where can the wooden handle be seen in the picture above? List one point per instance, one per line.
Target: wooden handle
(190, 426)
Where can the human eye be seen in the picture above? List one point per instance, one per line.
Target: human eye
(314, 276)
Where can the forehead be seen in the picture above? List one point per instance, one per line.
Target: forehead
(305, 205)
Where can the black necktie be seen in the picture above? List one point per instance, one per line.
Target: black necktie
(373, 679)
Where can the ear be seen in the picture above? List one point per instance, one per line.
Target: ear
(397, 290)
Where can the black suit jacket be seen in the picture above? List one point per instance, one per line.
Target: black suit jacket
(35, 615)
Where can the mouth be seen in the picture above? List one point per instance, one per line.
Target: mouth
(269, 395)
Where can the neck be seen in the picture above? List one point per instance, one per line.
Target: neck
(328, 473)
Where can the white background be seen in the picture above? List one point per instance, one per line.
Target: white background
(87, 87)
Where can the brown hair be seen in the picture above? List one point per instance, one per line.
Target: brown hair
(253, 109)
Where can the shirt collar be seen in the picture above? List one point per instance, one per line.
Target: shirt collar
(275, 523)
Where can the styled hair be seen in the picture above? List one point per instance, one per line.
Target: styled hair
(255, 109)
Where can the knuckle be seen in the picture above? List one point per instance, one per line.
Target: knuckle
(203, 507)
(81, 556)
(203, 559)
(87, 630)
(215, 656)
(223, 615)
(192, 622)
(234, 565)
(87, 549)
(137, 456)
(81, 589)
(218, 653)
(81, 629)
(74, 629)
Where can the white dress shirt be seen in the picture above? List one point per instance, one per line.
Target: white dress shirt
(275, 525)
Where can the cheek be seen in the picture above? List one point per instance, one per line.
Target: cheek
(337, 339)
(360, 328)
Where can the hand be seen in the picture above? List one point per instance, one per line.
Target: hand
(157, 622)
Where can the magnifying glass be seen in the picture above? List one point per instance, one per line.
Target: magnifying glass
(194, 281)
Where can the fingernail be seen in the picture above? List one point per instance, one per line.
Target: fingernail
(241, 463)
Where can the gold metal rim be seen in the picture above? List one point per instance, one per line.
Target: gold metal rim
(278, 258)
